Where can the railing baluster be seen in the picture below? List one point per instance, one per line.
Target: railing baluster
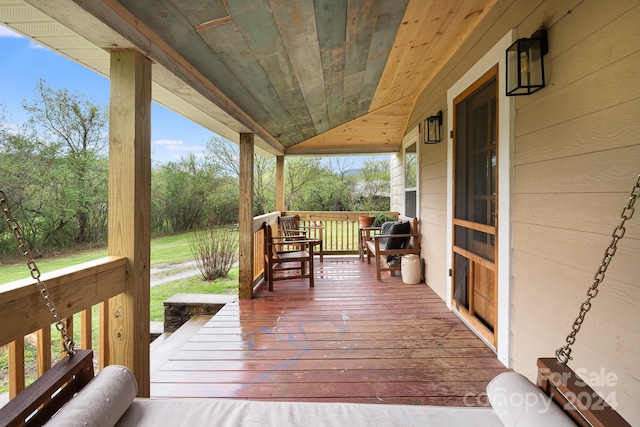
(86, 330)
(43, 347)
(103, 334)
(16, 367)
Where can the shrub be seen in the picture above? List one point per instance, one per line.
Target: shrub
(215, 251)
(381, 218)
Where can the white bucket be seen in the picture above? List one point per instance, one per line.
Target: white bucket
(410, 269)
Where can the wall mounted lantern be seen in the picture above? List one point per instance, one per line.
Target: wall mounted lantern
(432, 128)
(525, 66)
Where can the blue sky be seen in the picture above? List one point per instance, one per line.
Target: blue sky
(24, 62)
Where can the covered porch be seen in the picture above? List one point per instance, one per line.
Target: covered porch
(562, 160)
(351, 338)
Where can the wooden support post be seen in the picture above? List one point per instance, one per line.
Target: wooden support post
(280, 183)
(245, 266)
(130, 210)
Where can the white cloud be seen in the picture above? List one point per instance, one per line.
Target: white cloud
(10, 33)
(176, 145)
(7, 32)
(169, 144)
(12, 128)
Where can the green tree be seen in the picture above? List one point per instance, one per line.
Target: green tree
(373, 186)
(182, 193)
(77, 128)
(227, 156)
(20, 181)
(300, 174)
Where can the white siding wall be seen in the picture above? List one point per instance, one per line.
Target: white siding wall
(433, 212)
(397, 182)
(576, 156)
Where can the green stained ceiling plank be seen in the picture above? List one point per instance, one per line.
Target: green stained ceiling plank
(331, 20)
(361, 24)
(166, 20)
(256, 95)
(257, 24)
(171, 25)
(352, 94)
(275, 129)
(291, 99)
(333, 68)
(297, 22)
(198, 12)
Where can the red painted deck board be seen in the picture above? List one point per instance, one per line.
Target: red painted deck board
(349, 339)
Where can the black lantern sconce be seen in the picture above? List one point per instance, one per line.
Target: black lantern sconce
(525, 65)
(432, 128)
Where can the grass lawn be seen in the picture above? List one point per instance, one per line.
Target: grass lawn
(164, 250)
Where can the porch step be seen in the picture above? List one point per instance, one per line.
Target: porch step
(156, 329)
(181, 307)
(169, 343)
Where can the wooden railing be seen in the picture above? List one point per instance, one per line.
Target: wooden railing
(74, 290)
(340, 229)
(258, 243)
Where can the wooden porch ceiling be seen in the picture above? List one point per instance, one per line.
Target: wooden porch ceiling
(348, 339)
(306, 76)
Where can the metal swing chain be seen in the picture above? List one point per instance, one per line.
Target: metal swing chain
(69, 345)
(563, 354)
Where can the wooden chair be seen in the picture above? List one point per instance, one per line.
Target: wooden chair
(287, 258)
(380, 252)
(289, 227)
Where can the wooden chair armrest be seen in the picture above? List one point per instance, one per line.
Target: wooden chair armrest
(297, 242)
(292, 237)
(380, 236)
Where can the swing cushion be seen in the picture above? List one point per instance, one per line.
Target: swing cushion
(519, 402)
(101, 402)
(109, 400)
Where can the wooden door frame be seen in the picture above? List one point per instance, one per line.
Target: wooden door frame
(496, 55)
(490, 337)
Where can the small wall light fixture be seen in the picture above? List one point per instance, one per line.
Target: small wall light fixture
(432, 128)
(525, 66)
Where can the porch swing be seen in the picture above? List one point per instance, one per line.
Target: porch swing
(38, 402)
(68, 391)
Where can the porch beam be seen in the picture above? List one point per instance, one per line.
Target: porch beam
(245, 264)
(130, 211)
(280, 183)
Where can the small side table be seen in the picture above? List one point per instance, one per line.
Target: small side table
(364, 234)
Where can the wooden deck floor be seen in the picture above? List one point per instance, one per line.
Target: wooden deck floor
(349, 339)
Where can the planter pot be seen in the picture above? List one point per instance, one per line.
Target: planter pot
(365, 221)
